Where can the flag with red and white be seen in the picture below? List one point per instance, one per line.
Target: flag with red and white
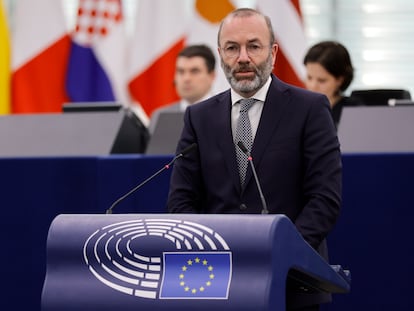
(40, 47)
(290, 36)
(159, 35)
(97, 61)
(207, 15)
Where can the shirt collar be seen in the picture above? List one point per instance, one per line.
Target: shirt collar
(260, 94)
(184, 104)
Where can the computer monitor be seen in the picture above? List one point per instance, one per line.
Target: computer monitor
(91, 106)
(132, 136)
(166, 134)
(400, 102)
(380, 97)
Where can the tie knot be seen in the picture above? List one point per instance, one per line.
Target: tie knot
(246, 103)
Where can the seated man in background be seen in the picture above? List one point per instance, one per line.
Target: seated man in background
(194, 77)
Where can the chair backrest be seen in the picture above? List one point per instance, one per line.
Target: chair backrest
(379, 97)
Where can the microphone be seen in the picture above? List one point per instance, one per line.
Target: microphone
(250, 159)
(166, 167)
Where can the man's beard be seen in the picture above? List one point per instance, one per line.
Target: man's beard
(262, 73)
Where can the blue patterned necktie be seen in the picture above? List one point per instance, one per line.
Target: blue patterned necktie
(244, 134)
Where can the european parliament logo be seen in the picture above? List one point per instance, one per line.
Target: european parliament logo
(160, 259)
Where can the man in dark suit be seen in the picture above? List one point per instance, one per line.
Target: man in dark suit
(295, 147)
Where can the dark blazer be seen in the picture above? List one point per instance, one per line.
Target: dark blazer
(295, 152)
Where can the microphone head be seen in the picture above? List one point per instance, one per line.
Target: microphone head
(188, 149)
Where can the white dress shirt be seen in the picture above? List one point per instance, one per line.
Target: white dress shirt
(254, 112)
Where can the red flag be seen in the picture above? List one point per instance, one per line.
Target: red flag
(159, 36)
(290, 36)
(40, 53)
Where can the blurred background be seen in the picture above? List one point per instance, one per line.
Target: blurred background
(54, 52)
(378, 34)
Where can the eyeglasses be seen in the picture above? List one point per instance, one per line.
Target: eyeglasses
(252, 49)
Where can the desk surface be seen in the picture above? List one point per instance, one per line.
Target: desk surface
(372, 129)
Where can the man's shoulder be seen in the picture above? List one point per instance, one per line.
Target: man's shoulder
(290, 88)
(170, 107)
(213, 100)
(293, 93)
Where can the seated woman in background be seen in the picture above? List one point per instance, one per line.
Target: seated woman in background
(329, 71)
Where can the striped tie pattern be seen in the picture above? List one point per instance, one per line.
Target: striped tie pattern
(244, 134)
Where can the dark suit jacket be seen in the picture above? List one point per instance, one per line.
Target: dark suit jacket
(295, 152)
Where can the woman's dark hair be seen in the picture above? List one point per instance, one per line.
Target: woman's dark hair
(334, 57)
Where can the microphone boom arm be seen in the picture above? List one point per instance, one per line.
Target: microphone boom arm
(166, 167)
(250, 159)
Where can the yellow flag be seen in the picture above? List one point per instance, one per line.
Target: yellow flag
(4, 63)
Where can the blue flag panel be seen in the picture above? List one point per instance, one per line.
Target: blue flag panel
(197, 275)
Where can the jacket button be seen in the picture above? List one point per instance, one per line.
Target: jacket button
(243, 207)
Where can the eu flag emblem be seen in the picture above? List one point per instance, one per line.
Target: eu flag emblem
(196, 275)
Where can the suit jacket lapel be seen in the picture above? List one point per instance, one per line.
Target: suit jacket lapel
(225, 138)
(275, 103)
